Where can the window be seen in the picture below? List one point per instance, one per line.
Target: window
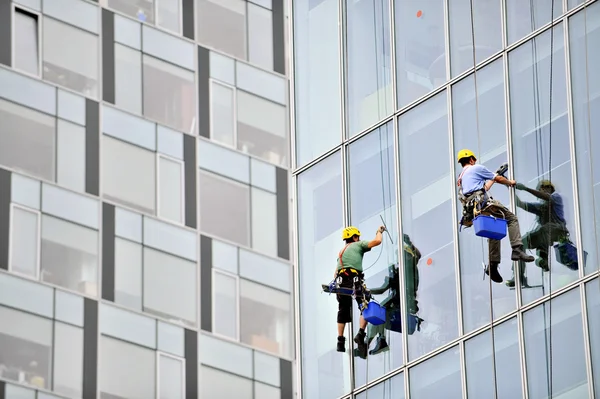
(128, 79)
(438, 377)
(265, 318)
(261, 128)
(521, 21)
(224, 208)
(224, 385)
(24, 242)
(264, 391)
(27, 140)
(122, 359)
(69, 255)
(70, 155)
(170, 377)
(169, 94)
(222, 113)
(171, 186)
(264, 221)
(225, 305)
(142, 10)
(70, 57)
(68, 359)
(260, 36)
(129, 174)
(222, 24)
(128, 274)
(169, 15)
(169, 287)
(592, 290)
(26, 44)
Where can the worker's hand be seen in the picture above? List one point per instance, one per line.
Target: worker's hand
(520, 186)
(381, 229)
(512, 183)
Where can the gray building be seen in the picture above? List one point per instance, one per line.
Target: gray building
(386, 92)
(145, 202)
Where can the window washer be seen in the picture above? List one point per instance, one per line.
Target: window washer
(475, 180)
(551, 224)
(349, 273)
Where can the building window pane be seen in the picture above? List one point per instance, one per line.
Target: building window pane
(428, 221)
(69, 255)
(261, 128)
(522, 20)
(392, 388)
(224, 208)
(420, 48)
(26, 46)
(438, 377)
(266, 318)
(68, 359)
(27, 140)
(225, 305)
(170, 193)
(120, 359)
(169, 287)
(529, 80)
(128, 79)
(567, 374)
(593, 312)
(142, 10)
(129, 174)
(260, 36)
(24, 242)
(369, 77)
(169, 14)
(222, 24)
(223, 113)
(264, 222)
(25, 348)
(170, 377)
(70, 157)
(169, 94)
(224, 385)
(128, 274)
(70, 57)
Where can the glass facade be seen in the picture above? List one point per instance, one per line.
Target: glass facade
(145, 191)
(386, 92)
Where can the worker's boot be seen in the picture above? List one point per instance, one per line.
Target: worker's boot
(492, 271)
(360, 342)
(542, 263)
(380, 346)
(341, 344)
(519, 254)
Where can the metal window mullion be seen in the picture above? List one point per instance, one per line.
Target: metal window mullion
(447, 39)
(292, 87)
(521, 340)
(342, 63)
(503, 24)
(392, 9)
(587, 340)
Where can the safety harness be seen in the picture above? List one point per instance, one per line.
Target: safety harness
(357, 280)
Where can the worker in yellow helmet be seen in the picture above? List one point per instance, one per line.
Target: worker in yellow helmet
(475, 181)
(349, 271)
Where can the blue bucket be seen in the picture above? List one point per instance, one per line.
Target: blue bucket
(374, 314)
(490, 227)
(396, 322)
(566, 253)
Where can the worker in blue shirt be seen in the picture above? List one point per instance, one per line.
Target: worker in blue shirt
(475, 181)
(551, 225)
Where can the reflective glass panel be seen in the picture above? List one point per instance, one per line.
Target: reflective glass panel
(224, 385)
(392, 388)
(317, 77)
(593, 313)
(370, 96)
(128, 274)
(68, 360)
(221, 24)
(128, 79)
(169, 15)
(420, 48)
(264, 221)
(524, 18)
(326, 373)
(260, 36)
(170, 380)
(222, 113)
(428, 225)
(536, 143)
(225, 305)
(70, 156)
(142, 11)
(170, 191)
(584, 37)
(547, 328)
(438, 377)
(485, 135)
(24, 242)
(26, 46)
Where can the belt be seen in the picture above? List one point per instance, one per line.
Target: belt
(348, 271)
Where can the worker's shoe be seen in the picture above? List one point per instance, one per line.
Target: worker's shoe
(542, 264)
(380, 346)
(511, 283)
(519, 254)
(492, 271)
(341, 344)
(360, 342)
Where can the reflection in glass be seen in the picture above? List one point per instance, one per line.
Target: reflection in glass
(428, 222)
(554, 351)
(392, 388)
(529, 79)
(170, 190)
(438, 377)
(24, 241)
(326, 373)
(317, 77)
(128, 79)
(480, 363)
(222, 113)
(225, 305)
(486, 134)
(524, 18)
(592, 290)
(68, 359)
(222, 25)
(487, 21)
(584, 35)
(420, 48)
(370, 97)
(26, 46)
(128, 273)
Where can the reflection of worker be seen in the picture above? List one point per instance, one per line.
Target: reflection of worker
(475, 181)
(349, 273)
(551, 223)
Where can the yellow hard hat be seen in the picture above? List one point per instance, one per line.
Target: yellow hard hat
(546, 183)
(464, 153)
(349, 232)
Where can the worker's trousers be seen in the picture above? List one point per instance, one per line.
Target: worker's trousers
(498, 210)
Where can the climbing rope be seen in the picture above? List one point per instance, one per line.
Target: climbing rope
(491, 296)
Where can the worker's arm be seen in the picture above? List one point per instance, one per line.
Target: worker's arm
(488, 185)
(541, 195)
(504, 181)
(377, 240)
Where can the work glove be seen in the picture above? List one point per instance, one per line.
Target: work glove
(332, 285)
(520, 186)
(381, 229)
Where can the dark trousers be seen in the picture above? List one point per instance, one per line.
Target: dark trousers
(541, 239)
(514, 231)
(345, 301)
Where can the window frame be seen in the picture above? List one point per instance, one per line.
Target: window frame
(211, 109)
(236, 277)
(181, 164)
(18, 8)
(160, 354)
(38, 213)
(179, 17)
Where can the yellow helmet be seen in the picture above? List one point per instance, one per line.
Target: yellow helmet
(349, 232)
(464, 153)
